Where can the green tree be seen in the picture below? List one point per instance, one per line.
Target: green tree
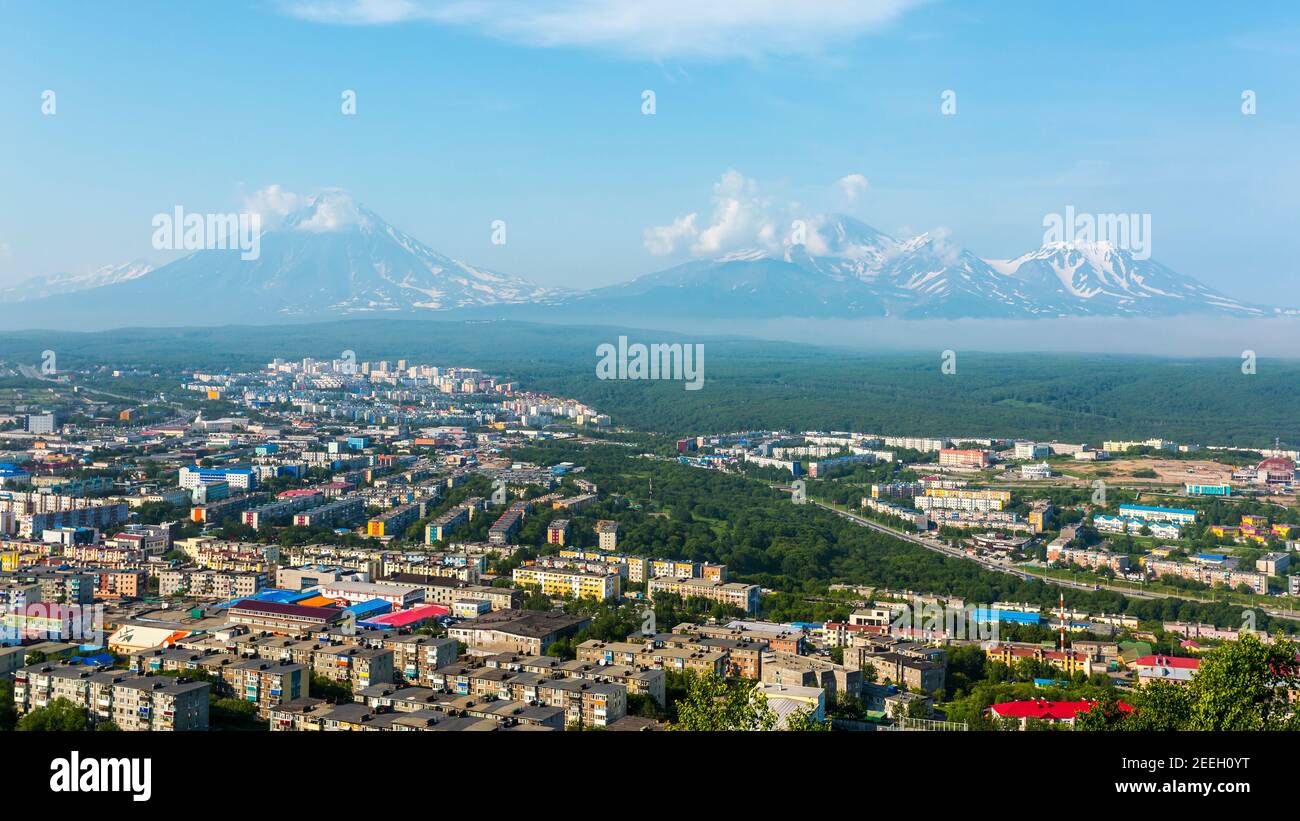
(8, 715)
(1244, 685)
(59, 715)
(804, 722)
(712, 704)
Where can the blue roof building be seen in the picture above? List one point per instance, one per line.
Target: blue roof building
(987, 614)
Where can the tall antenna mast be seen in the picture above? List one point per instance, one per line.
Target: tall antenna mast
(1062, 623)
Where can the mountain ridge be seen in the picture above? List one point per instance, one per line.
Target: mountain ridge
(333, 258)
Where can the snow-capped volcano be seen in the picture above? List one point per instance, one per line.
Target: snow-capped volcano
(1099, 278)
(328, 258)
(845, 268)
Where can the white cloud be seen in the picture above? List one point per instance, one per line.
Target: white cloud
(741, 219)
(851, 185)
(330, 210)
(664, 239)
(272, 203)
(333, 211)
(708, 29)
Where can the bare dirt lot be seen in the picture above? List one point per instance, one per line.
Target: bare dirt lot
(1168, 471)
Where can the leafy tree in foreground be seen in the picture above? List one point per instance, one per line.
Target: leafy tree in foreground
(59, 715)
(712, 704)
(8, 715)
(1241, 685)
(803, 722)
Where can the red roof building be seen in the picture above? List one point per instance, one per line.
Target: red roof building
(1177, 669)
(1053, 712)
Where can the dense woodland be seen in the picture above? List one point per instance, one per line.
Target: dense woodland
(750, 384)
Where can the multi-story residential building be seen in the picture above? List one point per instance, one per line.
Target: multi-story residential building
(30, 514)
(210, 583)
(63, 585)
(949, 457)
(743, 596)
(161, 704)
(1092, 559)
(585, 703)
(648, 654)
(777, 637)
(394, 522)
(961, 499)
(575, 503)
(210, 510)
(216, 554)
(505, 527)
(331, 514)
(1273, 564)
(416, 656)
(573, 584)
(921, 443)
(607, 534)
(1067, 661)
(1180, 516)
(1212, 574)
(132, 702)
(647, 681)
(810, 671)
(361, 666)
(440, 529)
(121, 584)
(282, 509)
(896, 668)
(744, 654)
(268, 684)
(1128, 524)
(557, 532)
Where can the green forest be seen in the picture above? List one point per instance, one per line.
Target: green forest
(751, 384)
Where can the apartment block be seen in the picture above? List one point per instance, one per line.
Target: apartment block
(607, 534)
(132, 702)
(572, 584)
(268, 684)
(743, 596)
(648, 654)
(416, 656)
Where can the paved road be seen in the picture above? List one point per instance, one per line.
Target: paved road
(938, 547)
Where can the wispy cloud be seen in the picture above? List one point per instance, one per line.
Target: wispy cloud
(851, 185)
(703, 29)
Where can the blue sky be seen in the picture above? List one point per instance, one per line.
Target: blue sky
(531, 113)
